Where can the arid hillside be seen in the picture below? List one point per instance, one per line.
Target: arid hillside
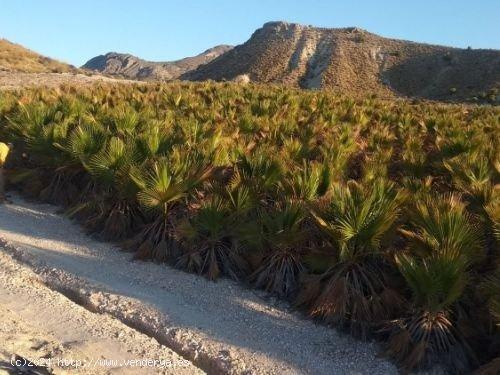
(129, 66)
(16, 58)
(355, 61)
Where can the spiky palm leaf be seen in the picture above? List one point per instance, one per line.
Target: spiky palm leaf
(355, 290)
(309, 182)
(443, 225)
(161, 190)
(117, 212)
(280, 243)
(211, 248)
(124, 121)
(260, 174)
(155, 141)
(473, 175)
(52, 176)
(356, 219)
(443, 245)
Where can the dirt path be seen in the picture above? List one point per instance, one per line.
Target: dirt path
(17, 80)
(48, 329)
(221, 327)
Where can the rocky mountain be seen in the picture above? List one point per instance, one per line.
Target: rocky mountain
(16, 58)
(355, 61)
(128, 66)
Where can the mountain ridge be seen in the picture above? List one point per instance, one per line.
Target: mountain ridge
(348, 60)
(355, 61)
(133, 67)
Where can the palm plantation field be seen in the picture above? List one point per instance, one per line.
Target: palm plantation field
(378, 217)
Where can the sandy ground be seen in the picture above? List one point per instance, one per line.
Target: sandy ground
(220, 327)
(16, 80)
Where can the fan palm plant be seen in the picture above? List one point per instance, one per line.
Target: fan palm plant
(50, 173)
(259, 173)
(308, 182)
(429, 332)
(169, 181)
(453, 141)
(355, 222)
(443, 225)
(376, 166)
(28, 119)
(474, 175)
(490, 288)
(414, 159)
(443, 245)
(113, 207)
(280, 242)
(211, 248)
(338, 146)
(124, 121)
(418, 188)
(82, 144)
(155, 141)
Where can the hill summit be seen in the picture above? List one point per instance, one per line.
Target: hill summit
(355, 61)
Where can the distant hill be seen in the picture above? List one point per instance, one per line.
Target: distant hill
(349, 60)
(355, 61)
(129, 66)
(16, 58)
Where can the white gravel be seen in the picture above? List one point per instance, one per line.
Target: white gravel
(221, 327)
(48, 330)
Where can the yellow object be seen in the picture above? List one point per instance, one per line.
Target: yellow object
(4, 151)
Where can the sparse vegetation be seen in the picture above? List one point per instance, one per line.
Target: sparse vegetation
(448, 57)
(14, 57)
(355, 62)
(381, 217)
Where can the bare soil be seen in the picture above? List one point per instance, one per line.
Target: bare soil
(357, 63)
(47, 329)
(17, 80)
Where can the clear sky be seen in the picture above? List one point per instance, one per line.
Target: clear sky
(75, 31)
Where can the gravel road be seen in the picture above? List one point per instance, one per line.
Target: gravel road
(49, 330)
(220, 327)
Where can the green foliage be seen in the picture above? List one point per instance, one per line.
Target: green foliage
(443, 228)
(355, 222)
(443, 246)
(280, 240)
(210, 236)
(474, 175)
(364, 212)
(356, 219)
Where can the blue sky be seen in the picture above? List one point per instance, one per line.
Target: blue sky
(75, 31)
